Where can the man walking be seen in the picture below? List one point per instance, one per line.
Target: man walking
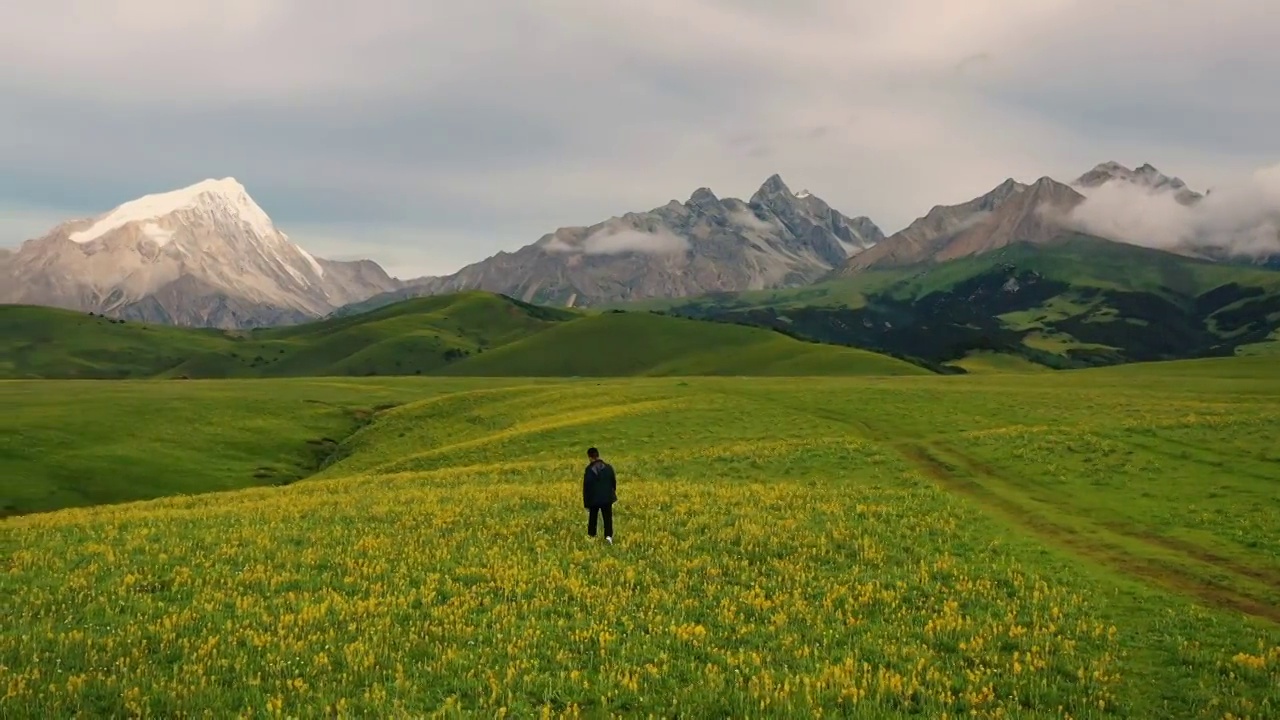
(599, 493)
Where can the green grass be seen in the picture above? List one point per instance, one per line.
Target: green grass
(74, 443)
(37, 340)
(1095, 544)
(1084, 261)
(1058, 343)
(1076, 302)
(990, 362)
(472, 333)
(413, 337)
(614, 344)
(1080, 260)
(1259, 371)
(1270, 347)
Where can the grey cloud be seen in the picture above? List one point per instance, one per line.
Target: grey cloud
(747, 219)
(969, 62)
(618, 240)
(483, 126)
(615, 242)
(1242, 216)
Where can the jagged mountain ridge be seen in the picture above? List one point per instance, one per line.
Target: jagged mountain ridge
(1011, 212)
(203, 255)
(1040, 213)
(1145, 175)
(706, 244)
(1205, 245)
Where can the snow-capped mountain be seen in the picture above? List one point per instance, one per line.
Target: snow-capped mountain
(203, 255)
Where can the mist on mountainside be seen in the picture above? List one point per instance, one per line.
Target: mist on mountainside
(1241, 217)
(615, 241)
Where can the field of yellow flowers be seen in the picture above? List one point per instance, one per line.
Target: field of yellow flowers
(785, 548)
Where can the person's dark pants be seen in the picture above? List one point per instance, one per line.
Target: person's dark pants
(607, 512)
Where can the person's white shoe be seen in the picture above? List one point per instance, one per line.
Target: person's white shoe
(609, 540)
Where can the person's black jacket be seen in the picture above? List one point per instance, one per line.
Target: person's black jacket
(599, 485)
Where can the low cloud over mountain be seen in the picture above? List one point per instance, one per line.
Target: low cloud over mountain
(619, 240)
(1240, 218)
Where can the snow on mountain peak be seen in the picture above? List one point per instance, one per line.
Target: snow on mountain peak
(226, 197)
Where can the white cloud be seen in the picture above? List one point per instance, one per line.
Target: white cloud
(483, 126)
(616, 240)
(748, 219)
(556, 245)
(1242, 215)
(613, 239)
(607, 241)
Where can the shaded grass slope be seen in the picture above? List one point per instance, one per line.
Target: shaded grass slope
(1077, 302)
(464, 334)
(75, 443)
(40, 342)
(413, 337)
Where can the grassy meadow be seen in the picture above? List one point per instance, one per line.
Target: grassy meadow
(80, 443)
(1092, 544)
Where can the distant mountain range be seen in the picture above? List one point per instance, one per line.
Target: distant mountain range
(208, 255)
(705, 244)
(781, 239)
(204, 255)
(1048, 210)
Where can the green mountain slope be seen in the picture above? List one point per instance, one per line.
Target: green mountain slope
(614, 344)
(473, 333)
(40, 342)
(413, 337)
(1078, 302)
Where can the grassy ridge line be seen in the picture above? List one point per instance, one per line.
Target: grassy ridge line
(1257, 368)
(1075, 303)
(452, 335)
(411, 338)
(1081, 260)
(612, 344)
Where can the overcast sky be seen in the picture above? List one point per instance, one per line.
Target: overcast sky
(428, 134)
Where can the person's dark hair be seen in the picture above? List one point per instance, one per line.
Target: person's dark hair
(593, 453)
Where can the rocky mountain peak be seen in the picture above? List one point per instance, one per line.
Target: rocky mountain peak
(1047, 184)
(217, 200)
(1002, 192)
(703, 198)
(772, 188)
(1145, 175)
(206, 254)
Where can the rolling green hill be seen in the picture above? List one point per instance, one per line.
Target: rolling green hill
(614, 344)
(471, 333)
(1093, 544)
(74, 443)
(1078, 302)
(413, 337)
(48, 342)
